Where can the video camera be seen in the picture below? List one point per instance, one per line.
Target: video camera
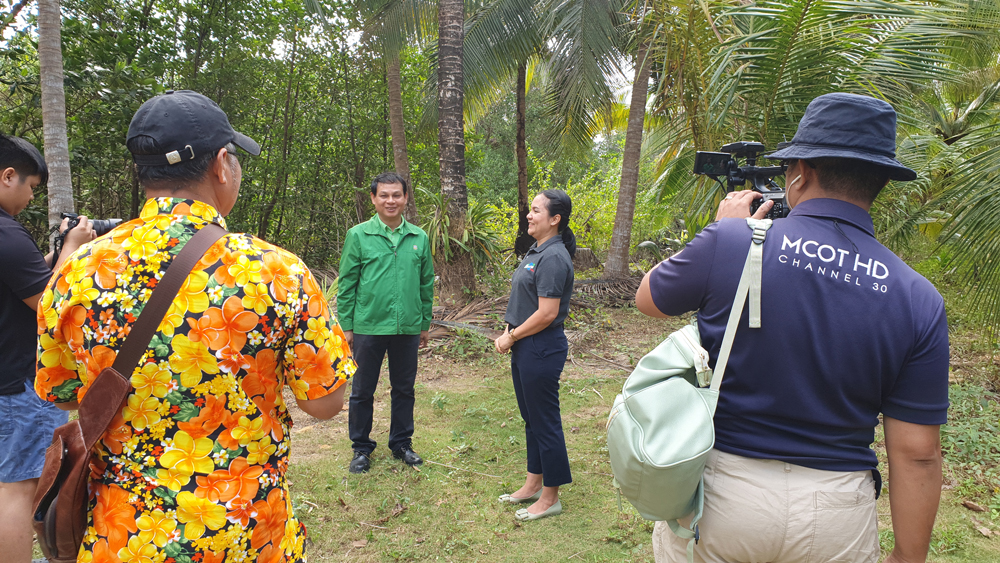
(100, 226)
(761, 178)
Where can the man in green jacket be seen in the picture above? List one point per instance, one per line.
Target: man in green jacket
(384, 300)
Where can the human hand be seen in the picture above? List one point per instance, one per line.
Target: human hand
(82, 233)
(504, 342)
(349, 338)
(425, 337)
(737, 205)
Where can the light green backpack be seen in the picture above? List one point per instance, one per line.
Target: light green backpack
(660, 429)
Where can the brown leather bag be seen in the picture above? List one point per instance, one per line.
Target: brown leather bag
(60, 507)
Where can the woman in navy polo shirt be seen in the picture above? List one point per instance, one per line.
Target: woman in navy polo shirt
(539, 302)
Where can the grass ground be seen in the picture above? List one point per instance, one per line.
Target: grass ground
(469, 431)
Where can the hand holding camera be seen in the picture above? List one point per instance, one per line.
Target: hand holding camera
(764, 192)
(76, 230)
(743, 204)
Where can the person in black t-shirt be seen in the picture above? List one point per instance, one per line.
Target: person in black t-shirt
(26, 422)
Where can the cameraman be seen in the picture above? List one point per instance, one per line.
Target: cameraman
(849, 332)
(26, 422)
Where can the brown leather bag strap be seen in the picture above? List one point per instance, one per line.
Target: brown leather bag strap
(111, 387)
(166, 290)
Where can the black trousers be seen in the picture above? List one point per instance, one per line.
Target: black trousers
(369, 350)
(536, 362)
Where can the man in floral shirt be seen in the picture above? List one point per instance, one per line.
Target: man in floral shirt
(192, 470)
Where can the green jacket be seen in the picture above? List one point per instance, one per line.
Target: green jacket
(384, 289)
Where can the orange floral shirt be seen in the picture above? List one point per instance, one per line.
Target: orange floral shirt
(193, 468)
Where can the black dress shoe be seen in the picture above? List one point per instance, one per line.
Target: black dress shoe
(361, 463)
(408, 456)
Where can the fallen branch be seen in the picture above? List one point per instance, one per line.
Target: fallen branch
(603, 359)
(460, 469)
(373, 526)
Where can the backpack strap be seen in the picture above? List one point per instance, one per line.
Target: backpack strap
(750, 285)
(99, 407)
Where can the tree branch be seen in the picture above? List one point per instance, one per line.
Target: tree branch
(14, 11)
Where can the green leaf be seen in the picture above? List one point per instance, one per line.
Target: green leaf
(174, 398)
(165, 493)
(187, 412)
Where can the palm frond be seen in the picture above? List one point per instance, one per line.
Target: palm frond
(499, 35)
(586, 39)
(396, 24)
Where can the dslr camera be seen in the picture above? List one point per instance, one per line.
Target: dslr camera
(725, 163)
(101, 227)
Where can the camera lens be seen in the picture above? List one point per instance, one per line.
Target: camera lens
(104, 226)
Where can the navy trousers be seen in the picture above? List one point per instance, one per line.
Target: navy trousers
(535, 364)
(369, 351)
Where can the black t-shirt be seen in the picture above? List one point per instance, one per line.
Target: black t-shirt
(23, 273)
(546, 271)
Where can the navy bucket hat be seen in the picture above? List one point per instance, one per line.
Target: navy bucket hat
(844, 125)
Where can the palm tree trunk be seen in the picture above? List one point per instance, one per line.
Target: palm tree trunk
(621, 235)
(50, 63)
(458, 279)
(523, 241)
(394, 83)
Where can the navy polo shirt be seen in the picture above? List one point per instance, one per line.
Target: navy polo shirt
(24, 274)
(848, 331)
(545, 271)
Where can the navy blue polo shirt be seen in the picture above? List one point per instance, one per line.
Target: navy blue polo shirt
(848, 331)
(24, 274)
(545, 271)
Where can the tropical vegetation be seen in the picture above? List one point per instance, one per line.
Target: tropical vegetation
(484, 101)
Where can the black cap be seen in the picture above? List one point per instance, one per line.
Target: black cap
(844, 125)
(185, 124)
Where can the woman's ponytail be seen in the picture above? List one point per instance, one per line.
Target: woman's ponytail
(569, 241)
(560, 204)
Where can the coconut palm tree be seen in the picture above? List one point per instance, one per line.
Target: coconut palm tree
(393, 24)
(60, 184)
(576, 44)
(773, 57)
(458, 278)
(616, 266)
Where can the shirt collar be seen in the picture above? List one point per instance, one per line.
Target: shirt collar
(196, 211)
(836, 209)
(546, 244)
(388, 229)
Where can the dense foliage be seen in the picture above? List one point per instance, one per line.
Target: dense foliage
(309, 81)
(309, 93)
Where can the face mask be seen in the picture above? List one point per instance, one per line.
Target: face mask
(792, 183)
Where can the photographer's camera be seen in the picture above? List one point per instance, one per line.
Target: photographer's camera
(725, 163)
(101, 227)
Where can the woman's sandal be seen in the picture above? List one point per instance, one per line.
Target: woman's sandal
(517, 500)
(523, 515)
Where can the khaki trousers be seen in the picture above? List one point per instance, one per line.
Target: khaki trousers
(766, 511)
